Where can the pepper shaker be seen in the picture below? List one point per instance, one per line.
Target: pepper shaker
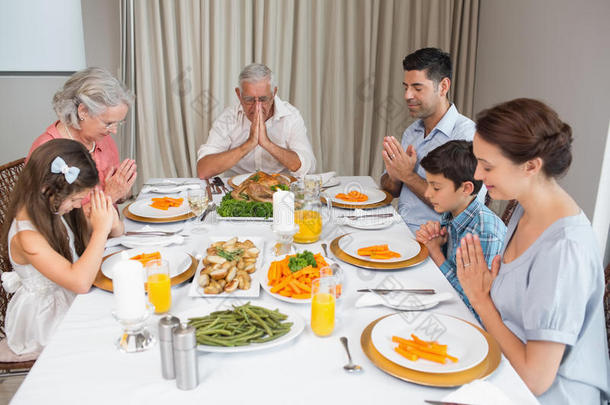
(167, 324)
(185, 357)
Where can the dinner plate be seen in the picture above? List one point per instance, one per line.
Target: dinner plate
(235, 181)
(178, 260)
(332, 182)
(480, 371)
(365, 264)
(462, 339)
(254, 291)
(142, 208)
(265, 282)
(398, 242)
(375, 195)
(298, 325)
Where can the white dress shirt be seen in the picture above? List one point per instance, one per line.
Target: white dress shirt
(285, 128)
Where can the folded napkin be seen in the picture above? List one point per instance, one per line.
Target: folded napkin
(170, 188)
(326, 177)
(133, 241)
(479, 392)
(402, 301)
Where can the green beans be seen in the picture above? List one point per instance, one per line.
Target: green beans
(240, 326)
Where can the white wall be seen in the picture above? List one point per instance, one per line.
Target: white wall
(556, 51)
(25, 101)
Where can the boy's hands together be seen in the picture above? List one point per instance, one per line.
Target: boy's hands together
(432, 235)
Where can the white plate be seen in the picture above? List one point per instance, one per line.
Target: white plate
(398, 242)
(142, 208)
(298, 324)
(179, 261)
(240, 178)
(254, 291)
(375, 195)
(463, 341)
(265, 282)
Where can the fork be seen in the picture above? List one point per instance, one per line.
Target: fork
(213, 187)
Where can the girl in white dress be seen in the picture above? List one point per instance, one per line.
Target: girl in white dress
(55, 249)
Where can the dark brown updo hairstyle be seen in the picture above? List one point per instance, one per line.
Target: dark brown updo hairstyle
(41, 192)
(525, 129)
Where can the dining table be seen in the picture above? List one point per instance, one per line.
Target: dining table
(82, 365)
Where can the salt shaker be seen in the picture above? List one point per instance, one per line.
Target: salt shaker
(167, 324)
(185, 357)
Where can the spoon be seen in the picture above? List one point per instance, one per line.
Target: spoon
(325, 251)
(349, 367)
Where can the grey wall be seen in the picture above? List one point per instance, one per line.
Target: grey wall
(556, 51)
(25, 101)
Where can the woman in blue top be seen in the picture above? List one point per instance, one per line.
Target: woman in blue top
(542, 298)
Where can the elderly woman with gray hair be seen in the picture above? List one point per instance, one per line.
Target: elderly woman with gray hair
(90, 107)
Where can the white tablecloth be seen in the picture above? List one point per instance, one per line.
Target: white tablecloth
(82, 365)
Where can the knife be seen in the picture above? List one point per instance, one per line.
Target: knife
(367, 216)
(429, 401)
(425, 291)
(208, 190)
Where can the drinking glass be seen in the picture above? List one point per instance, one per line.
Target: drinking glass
(198, 202)
(158, 285)
(323, 297)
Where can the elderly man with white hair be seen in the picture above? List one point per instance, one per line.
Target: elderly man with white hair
(262, 132)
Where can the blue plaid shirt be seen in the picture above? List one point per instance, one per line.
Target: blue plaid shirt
(475, 219)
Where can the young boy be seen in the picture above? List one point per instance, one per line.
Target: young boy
(452, 191)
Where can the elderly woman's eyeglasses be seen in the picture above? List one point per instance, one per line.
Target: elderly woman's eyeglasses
(248, 100)
(111, 125)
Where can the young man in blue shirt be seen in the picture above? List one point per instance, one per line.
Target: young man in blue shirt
(452, 191)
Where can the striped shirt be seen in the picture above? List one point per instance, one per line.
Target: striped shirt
(479, 220)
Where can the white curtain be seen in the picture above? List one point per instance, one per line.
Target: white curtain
(339, 62)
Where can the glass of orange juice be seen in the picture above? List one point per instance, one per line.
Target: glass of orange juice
(323, 297)
(158, 285)
(310, 226)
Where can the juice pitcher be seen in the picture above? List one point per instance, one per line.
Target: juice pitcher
(309, 212)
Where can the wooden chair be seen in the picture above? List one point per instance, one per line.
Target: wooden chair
(503, 209)
(9, 173)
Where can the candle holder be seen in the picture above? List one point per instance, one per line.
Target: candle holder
(284, 240)
(135, 337)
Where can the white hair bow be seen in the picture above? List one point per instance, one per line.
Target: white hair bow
(70, 172)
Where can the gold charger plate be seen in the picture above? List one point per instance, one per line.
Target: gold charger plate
(386, 201)
(103, 282)
(481, 370)
(232, 184)
(342, 255)
(133, 217)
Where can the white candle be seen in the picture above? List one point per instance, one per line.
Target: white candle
(128, 286)
(283, 210)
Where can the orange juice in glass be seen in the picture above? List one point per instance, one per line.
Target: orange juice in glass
(323, 297)
(158, 285)
(310, 226)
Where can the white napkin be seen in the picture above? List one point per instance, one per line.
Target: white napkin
(479, 392)
(402, 301)
(145, 240)
(326, 177)
(170, 188)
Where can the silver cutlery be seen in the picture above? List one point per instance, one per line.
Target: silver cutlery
(325, 251)
(350, 367)
(367, 216)
(209, 209)
(424, 291)
(221, 184)
(211, 188)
